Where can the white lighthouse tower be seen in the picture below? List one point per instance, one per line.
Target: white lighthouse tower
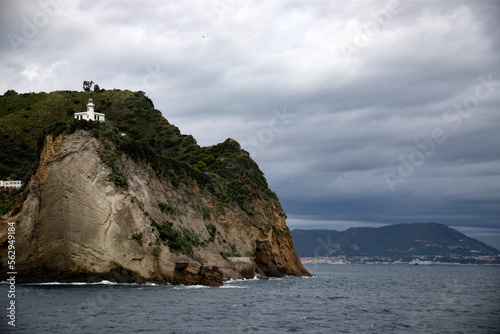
(90, 114)
(90, 109)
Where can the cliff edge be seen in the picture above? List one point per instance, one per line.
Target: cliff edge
(101, 206)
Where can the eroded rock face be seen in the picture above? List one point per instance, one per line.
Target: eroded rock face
(77, 225)
(203, 275)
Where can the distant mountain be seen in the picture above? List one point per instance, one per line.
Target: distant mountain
(391, 240)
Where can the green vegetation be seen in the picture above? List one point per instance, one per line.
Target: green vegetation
(10, 92)
(137, 237)
(204, 160)
(206, 212)
(227, 255)
(183, 240)
(239, 178)
(212, 230)
(8, 198)
(233, 253)
(167, 208)
(279, 232)
(109, 157)
(135, 128)
(118, 178)
(23, 118)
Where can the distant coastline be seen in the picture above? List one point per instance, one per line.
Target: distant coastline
(485, 261)
(393, 244)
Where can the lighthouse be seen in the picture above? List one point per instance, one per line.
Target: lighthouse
(90, 114)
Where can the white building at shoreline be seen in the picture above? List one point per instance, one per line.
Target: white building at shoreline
(90, 114)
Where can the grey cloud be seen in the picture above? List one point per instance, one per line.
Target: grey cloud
(221, 69)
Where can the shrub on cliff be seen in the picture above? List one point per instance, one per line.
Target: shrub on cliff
(212, 229)
(138, 238)
(118, 178)
(183, 240)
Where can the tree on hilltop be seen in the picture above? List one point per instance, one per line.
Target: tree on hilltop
(10, 92)
(87, 85)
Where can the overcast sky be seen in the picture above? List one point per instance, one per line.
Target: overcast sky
(360, 113)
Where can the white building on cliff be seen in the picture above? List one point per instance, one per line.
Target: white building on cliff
(90, 114)
(11, 184)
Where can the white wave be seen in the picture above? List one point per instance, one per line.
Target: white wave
(237, 280)
(103, 282)
(197, 286)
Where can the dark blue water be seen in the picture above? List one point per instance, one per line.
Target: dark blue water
(339, 299)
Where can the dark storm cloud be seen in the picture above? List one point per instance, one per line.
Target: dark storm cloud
(352, 109)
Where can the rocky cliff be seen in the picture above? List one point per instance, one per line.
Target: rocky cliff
(92, 211)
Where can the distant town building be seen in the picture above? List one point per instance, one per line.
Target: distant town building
(11, 184)
(90, 114)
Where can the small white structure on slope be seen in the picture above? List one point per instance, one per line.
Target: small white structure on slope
(90, 114)
(11, 184)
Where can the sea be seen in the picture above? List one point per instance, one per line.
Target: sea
(338, 299)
